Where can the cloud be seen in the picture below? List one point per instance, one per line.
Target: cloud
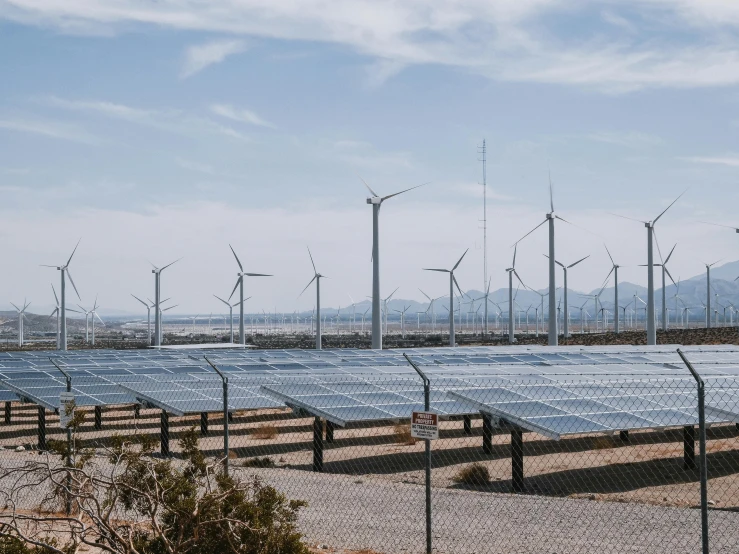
(630, 139)
(731, 161)
(239, 114)
(48, 128)
(676, 43)
(201, 56)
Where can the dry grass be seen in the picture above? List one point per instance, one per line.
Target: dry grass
(473, 474)
(265, 432)
(259, 462)
(402, 435)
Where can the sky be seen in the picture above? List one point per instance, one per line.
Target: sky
(158, 130)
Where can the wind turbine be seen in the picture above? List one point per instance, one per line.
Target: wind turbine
(402, 319)
(240, 285)
(452, 283)
(157, 301)
(651, 329)
(550, 217)
(614, 269)
(567, 309)
(708, 291)
(21, 315)
(93, 315)
(57, 311)
(317, 278)
(87, 323)
(230, 313)
(64, 269)
(665, 271)
(511, 272)
(148, 316)
(376, 202)
(433, 311)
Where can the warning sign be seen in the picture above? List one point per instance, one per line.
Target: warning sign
(66, 408)
(425, 425)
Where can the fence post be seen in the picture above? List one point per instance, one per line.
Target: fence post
(68, 500)
(427, 407)
(702, 442)
(226, 415)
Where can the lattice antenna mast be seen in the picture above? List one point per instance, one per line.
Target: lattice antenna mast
(483, 152)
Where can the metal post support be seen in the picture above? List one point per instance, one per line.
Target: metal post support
(70, 454)
(98, 418)
(227, 417)
(317, 445)
(329, 431)
(136, 411)
(427, 456)
(41, 428)
(487, 434)
(689, 447)
(517, 460)
(164, 433)
(703, 457)
(204, 424)
(467, 422)
(7, 413)
(624, 436)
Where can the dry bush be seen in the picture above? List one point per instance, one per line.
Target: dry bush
(259, 462)
(474, 474)
(265, 432)
(402, 434)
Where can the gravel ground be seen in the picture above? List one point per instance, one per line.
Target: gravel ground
(346, 512)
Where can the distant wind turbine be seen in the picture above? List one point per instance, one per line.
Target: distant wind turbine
(511, 321)
(21, 315)
(64, 269)
(708, 291)
(317, 278)
(566, 324)
(157, 301)
(240, 285)
(452, 283)
(230, 313)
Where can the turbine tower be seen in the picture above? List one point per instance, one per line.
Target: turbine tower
(665, 273)
(21, 315)
(452, 283)
(566, 324)
(376, 202)
(317, 278)
(614, 270)
(148, 316)
(240, 285)
(64, 269)
(708, 292)
(651, 328)
(485, 280)
(93, 315)
(157, 301)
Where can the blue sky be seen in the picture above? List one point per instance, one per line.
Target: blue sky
(168, 129)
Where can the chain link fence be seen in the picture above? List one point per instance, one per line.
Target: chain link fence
(553, 464)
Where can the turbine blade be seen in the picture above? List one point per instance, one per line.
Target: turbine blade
(73, 285)
(625, 217)
(457, 284)
(16, 307)
(519, 279)
(101, 319)
(426, 295)
(562, 219)
(372, 192)
(306, 286)
(222, 300)
(460, 259)
(442, 270)
(720, 225)
(46, 265)
(402, 191)
(670, 276)
(532, 230)
(515, 251)
(237, 258)
(311, 261)
(257, 275)
(166, 266)
(391, 294)
(55, 296)
(139, 299)
(578, 261)
(670, 254)
(609, 255)
(73, 251)
(670, 206)
(238, 281)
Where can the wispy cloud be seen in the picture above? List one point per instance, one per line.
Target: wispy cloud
(630, 139)
(731, 160)
(48, 128)
(239, 114)
(200, 56)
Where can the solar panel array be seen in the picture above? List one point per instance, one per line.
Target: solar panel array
(532, 386)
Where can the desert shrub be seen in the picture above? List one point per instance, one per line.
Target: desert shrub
(402, 434)
(473, 474)
(259, 462)
(265, 432)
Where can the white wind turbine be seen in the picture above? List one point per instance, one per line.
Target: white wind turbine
(21, 315)
(93, 315)
(157, 301)
(452, 283)
(431, 308)
(148, 307)
(87, 323)
(567, 309)
(230, 313)
(402, 319)
(317, 278)
(614, 269)
(511, 321)
(57, 310)
(651, 328)
(376, 202)
(240, 286)
(708, 291)
(550, 217)
(665, 273)
(64, 269)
